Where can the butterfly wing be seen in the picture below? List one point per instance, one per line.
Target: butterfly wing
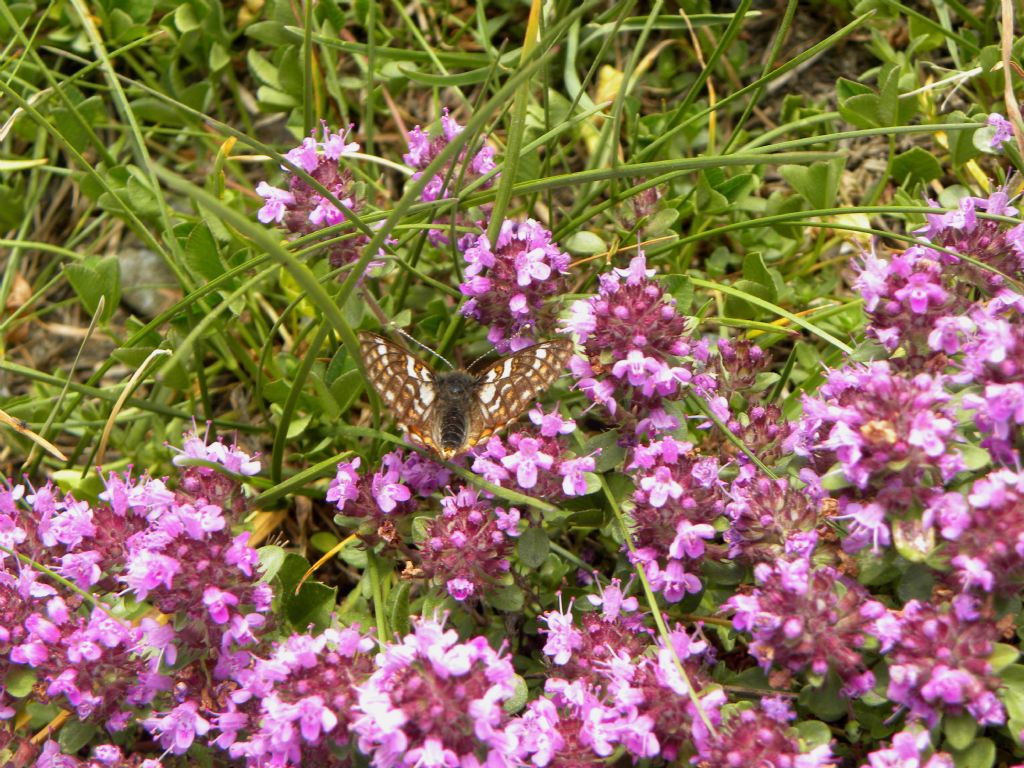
(506, 387)
(405, 385)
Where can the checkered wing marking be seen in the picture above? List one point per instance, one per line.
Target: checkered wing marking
(507, 387)
(404, 384)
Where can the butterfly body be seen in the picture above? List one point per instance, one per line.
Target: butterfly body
(453, 411)
(454, 391)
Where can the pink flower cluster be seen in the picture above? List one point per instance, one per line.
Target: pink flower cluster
(390, 494)
(678, 496)
(613, 686)
(806, 619)
(467, 547)
(510, 285)
(294, 702)
(468, 166)
(892, 437)
(536, 459)
(435, 701)
(763, 736)
(303, 209)
(939, 662)
(636, 349)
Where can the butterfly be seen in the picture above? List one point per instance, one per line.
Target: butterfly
(453, 411)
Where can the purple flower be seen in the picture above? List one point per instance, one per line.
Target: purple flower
(1003, 132)
(509, 284)
(806, 619)
(762, 736)
(389, 491)
(985, 533)
(302, 209)
(343, 487)
(677, 498)
(526, 461)
(468, 546)
(634, 342)
(177, 729)
(218, 602)
(147, 570)
(467, 167)
(431, 695)
(909, 749)
(939, 665)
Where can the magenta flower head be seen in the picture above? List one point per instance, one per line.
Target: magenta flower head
(763, 735)
(985, 533)
(991, 346)
(990, 242)
(388, 495)
(892, 437)
(765, 514)
(178, 728)
(940, 663)
(436, 701)
(677, 499)
(910, 748)
(1003, 131)
(294, 704)
(509, 283)
(302, 209)
(907, 298)
(467, 547)
(205, 483)
(806, 619)
(468, 166)
(613, 686)
(536, 459)
(637, 351)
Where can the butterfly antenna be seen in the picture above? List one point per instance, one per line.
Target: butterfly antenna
(420, 344)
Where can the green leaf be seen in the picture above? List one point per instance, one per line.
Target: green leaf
(533, 547)
(611, 453)
(916, 583)
(517, 700)
(508, 599)
(662, 221)
(916, 166)
(74, 735)
(201, 255)
(738, 306)
(755, 271)
(397, 607)
(974, 456)
(19, 681)
(271, 560)
(314, 602)
(961, 143)
(1012, 692)
(185, 18)
(680, 287)
(981, 754)
(323, 541)
(960, 730)
(96, 277)
(1003, 656)
(265, 72)
(814, 733)
(273, 33)
(824, 701)
(817, 183)
(593, 483)
(584, 243)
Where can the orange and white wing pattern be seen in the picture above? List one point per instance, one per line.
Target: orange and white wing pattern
(505, 388)
(405, 384)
